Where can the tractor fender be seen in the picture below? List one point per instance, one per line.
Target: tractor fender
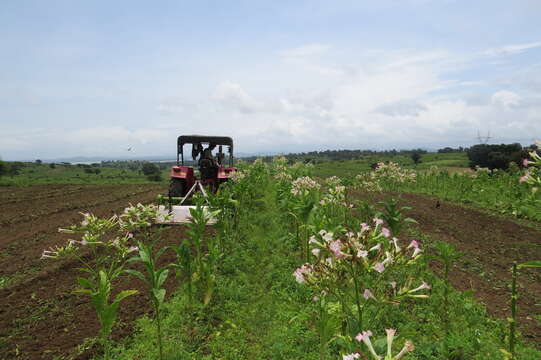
(182, 172)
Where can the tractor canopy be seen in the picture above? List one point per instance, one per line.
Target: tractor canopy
(197, 142)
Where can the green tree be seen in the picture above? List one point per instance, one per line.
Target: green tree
(3, 168)
(415, 157)
(150, 169)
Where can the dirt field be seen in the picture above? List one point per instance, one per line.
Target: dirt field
(489, 245)
(39, 317)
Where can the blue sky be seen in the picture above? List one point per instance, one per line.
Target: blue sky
(92, 78)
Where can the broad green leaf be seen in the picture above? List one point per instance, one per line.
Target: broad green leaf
(162, 275)
(137, 273)
(84, 282)
(159, 294)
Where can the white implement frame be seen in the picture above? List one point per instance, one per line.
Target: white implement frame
(180, 214)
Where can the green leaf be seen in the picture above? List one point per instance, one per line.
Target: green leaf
(124, 294)
(85, 283)
(162, 275)
(530, 264)
(82, 291)
(137, 273)
(159, 294)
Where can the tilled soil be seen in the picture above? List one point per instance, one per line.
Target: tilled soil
(489, 244)
(40, 317)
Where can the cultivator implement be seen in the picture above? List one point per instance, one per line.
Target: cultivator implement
(171, 214)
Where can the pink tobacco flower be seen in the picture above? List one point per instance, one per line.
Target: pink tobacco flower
(315, 252)
(365, 337)
(300, 273)
(368, 295)
(378, 221)
(364, 227)
(336, 248)
(524, 178)
(423, 286)
(386, 232)
(379, 267)
(413, 244)
(408, 347)
(525, 162)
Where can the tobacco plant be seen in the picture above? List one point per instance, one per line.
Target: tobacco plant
(155, 278)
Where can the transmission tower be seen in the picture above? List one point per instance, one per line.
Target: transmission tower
(483, 139)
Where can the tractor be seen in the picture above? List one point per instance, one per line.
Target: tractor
(212, 171)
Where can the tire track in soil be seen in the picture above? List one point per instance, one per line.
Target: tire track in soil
(39, 316)
(489, 245)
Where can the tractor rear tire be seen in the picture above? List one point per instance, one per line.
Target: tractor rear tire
(177, 187)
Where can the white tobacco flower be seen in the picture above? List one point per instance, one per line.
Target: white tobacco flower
(376, 247)
(390, 337)
(362, 254)
(368, 294)
(395, 243)
(328, 237)
(351, 356)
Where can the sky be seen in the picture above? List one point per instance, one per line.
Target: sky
(94, 78)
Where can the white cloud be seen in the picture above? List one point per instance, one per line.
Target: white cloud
(506, 99)
(233, 96)
(512, 49)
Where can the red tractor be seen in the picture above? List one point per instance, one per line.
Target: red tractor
(212, 171)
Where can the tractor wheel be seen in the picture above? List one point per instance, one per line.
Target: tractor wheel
(177, 187)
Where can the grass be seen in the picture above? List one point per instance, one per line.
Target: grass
(350, 168)
(43, 174)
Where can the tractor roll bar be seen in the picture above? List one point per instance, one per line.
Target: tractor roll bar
(202, 139)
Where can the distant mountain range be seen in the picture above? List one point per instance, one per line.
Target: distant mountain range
(97, 159)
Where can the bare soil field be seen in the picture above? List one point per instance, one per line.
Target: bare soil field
(40, 318)
(489, 245)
